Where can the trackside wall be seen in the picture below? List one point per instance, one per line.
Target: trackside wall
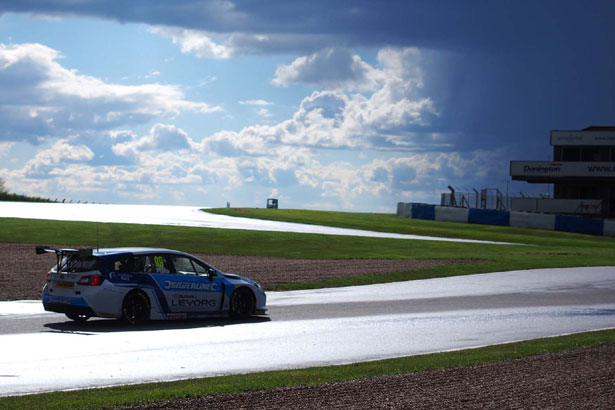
(451, 214)
(531, 220)
(609, 228)
(565, 223)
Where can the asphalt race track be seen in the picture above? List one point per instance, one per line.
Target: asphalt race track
(44, 352)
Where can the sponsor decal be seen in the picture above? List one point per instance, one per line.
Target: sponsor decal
(193, 303)
(542, 168)
(176, 285)
(159, 261)
(122, 277)
(600, 169)
(565, 169)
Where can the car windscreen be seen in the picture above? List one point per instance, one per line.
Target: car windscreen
(78, 263)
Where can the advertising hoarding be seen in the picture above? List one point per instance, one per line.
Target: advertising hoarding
(580, 138)
(550, 169)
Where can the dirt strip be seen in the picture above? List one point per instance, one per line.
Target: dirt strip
(575, 379)
(22, 272)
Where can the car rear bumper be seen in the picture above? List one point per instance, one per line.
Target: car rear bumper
(64, 308)
(64, 304)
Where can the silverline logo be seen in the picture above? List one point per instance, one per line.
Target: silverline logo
(169, 284)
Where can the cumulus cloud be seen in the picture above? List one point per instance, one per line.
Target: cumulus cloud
(66, 169)
(390, 117)
(264, 112)
(330, 68)
(61, 151)
(161, 137)
(409, 177)
(340, 69)
(5, 147)
(196, 42)
(166, 162)
(40, 97)
(224, 45)
(255, 102)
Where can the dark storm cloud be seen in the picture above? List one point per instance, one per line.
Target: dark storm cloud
(490, 100)
(446, 24)
(520, 66)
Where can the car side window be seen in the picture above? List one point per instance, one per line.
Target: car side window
(125, 264)
(155, 263)
(183, 265)
(200, 268)
(187, 266)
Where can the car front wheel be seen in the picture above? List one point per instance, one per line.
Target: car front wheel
(135, 309)
(242, 303)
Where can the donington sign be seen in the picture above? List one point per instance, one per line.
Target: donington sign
(546, 169)
(582, 138)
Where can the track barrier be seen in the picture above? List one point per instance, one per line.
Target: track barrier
(564, 223)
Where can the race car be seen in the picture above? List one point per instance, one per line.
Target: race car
(142, 284)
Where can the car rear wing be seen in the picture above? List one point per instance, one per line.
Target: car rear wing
(65, 251)
(61, 253)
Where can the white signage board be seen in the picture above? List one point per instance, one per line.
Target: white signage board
(562, 169)
(583, 138)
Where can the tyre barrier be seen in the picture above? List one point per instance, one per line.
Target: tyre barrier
(563, 223)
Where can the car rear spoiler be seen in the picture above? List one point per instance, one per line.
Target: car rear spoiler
(66, 251)
(61, 253)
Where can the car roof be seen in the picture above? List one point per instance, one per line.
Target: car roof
(134, 251)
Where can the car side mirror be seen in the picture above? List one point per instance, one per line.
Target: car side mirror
(210, 274)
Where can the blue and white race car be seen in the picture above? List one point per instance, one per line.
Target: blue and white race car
(141, 284)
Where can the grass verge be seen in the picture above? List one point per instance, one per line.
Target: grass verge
(552, 250)
(392, 223)
(117, 396)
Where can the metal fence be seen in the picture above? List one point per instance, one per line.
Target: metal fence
(489, 198)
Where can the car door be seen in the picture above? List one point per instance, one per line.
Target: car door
(188, 286)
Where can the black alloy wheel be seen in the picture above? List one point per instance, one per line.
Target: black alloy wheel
(135, 309)
(242, 303)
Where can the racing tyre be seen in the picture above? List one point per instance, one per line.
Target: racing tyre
(242, 303)
(135, 309)
(77, 317)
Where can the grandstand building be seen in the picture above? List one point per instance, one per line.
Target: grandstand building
(582, 173)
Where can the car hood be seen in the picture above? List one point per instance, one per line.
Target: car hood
(237, 277)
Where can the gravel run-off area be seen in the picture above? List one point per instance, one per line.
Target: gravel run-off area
(22, 272)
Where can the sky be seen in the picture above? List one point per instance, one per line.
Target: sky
(333, 105)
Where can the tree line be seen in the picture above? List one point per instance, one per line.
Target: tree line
(5, 195)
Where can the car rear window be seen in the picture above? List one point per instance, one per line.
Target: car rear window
(77, 263)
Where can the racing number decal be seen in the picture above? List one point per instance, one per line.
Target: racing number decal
(159, 261)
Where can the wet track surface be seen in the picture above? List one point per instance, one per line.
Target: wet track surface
(305, 328)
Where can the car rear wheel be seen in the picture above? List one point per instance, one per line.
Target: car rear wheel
(242, 303)
(135, 309)
(77, 317)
